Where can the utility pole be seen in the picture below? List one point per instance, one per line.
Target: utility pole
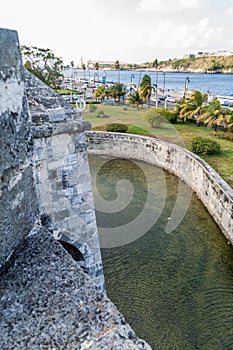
(71, 80)
(187, 80)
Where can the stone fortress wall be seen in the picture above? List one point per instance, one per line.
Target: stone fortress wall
(213, 191)
(61, 174)
(50, 297)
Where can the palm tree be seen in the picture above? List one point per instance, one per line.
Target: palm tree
(118, 91)
(117, 66)
(146, 88)
(214, 114)
(107, 92)
(97, 67)
(84, 70)
(189, 109)
(155, 64)
(228, 119)
(100, 92)
(135, 99)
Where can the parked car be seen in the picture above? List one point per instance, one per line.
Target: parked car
(172, 99)
(163, 97)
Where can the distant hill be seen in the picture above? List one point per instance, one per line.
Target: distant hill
(208, 64)
(211, 64)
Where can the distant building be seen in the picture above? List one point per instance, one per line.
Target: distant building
(190, 55)
(91, 63)
(201, 54)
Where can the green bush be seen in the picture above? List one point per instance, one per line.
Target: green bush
(92, 108)
(154, 118)
(117, 127)
(157, 116)
(204, 146)
(223, 135)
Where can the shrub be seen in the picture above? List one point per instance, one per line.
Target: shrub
(101, 114)
(92, 108)
(204, 146)
(223, 135)
(156, 116)
(117, 127)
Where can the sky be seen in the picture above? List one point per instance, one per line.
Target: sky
(132, 31)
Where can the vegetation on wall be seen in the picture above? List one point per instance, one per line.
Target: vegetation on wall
(43, 64)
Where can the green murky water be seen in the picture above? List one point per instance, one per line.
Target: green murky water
(175, 289)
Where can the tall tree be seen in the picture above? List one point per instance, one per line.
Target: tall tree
(146, 88)
(155, 65)
(97, 67)
(43, 64)
(214, 114)
(192, 108)
(117, 66)
(118, 91)
(84, 70)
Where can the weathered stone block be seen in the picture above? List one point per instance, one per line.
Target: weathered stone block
(18, 201)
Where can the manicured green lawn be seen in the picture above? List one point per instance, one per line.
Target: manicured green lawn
(180, 133)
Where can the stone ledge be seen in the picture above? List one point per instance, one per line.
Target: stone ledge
(48, 302)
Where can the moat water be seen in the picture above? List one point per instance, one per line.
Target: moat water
(176, 289)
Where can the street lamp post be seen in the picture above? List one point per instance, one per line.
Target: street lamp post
(104, 78)
(187, 80)
(95, 75)
(163, 82)
(71, 80)
(157, 97)
(131, 81)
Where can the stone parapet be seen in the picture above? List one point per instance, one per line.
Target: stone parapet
(62, 175)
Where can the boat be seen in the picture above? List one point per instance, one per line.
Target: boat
(225, 100)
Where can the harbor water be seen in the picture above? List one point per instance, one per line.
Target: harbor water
(214, 84)
(175, 290)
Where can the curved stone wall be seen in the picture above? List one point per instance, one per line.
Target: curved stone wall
(213, 191)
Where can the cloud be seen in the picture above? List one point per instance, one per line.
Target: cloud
(168, 5)
(180, 38)
(190, 4)
(230, 10)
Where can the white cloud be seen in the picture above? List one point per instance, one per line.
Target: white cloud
(191, 4)
(167, 37)
(133, 31)
(230, 10)
(168, 5)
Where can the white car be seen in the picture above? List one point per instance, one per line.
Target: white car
(172, 99)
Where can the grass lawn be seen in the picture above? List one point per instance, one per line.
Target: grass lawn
(180, 134)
